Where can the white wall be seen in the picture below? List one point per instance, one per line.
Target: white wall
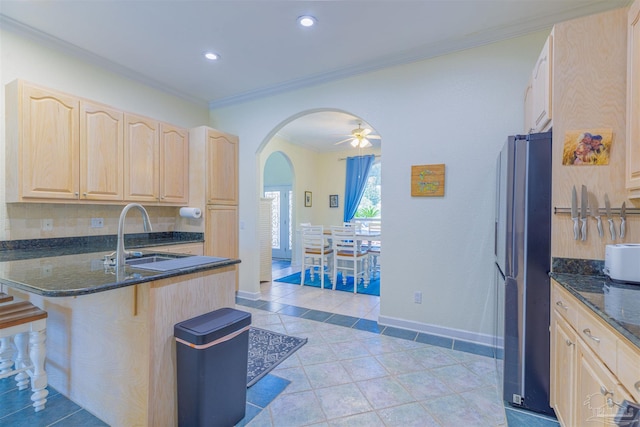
(456, 109)
(22, 58)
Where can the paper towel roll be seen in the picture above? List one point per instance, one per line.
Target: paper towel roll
(190, 212)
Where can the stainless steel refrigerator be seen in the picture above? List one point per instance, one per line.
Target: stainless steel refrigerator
(523, 260)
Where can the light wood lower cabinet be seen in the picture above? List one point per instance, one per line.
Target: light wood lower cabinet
(563, 368)
(593, 367)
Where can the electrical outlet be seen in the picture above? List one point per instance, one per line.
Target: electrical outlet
(47, 224)
(97, 222)
(417, 297)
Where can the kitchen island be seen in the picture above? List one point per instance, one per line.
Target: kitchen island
(110, 345)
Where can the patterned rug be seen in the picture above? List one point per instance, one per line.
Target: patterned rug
(267, 349)
(372, 289)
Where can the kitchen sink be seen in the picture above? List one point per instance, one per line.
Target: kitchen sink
(167, 263)
(147, 259)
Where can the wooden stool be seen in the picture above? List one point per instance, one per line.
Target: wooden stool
(26, 324)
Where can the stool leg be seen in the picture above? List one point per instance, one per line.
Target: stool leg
(21, 340)
(38, 375)
(6, 355)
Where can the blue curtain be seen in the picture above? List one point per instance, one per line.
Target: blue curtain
(357, 174)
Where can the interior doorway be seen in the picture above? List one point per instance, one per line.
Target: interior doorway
(281, 224)
(278, 186)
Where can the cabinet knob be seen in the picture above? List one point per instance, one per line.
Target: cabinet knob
(569, 343)
(637, 386)
(587, 332)
(560, 304)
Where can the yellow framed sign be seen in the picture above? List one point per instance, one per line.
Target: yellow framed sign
(427, 180)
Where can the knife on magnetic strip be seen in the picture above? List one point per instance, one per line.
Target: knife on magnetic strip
(584, 202)
(574, 213)
(595, 212)
(607, 207)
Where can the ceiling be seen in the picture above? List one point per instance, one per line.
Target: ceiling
(262, 48)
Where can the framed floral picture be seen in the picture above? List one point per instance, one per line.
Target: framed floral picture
(333, 201)
(307, 199)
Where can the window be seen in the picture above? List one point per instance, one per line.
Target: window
(371, 203)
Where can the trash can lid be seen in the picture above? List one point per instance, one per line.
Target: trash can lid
(211, 326)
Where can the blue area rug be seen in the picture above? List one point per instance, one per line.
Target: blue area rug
(372, 289)
(267, 349)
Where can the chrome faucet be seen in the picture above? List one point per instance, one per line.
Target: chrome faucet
(121, 253)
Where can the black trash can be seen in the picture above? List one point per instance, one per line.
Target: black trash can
(211, 354)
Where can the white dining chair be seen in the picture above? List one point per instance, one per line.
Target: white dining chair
(373, 247)
(348, 256)
(316, 255)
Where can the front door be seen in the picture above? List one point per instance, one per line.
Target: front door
(281, 227)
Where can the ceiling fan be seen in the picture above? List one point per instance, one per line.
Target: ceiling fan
(360, 137)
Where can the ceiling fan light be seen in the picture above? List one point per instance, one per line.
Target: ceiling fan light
(355, 143)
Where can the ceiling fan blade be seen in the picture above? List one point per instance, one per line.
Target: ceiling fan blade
(365, 131)
(374, 137)
(344, 140)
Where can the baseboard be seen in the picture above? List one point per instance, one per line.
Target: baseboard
(253, 296)
(441, 331)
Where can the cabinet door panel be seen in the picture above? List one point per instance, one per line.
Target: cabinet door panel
(174, 164)
(562, 374)
(221, 231)
(222, 161)
(101, 152)
(50, 144)
(141, 159)
(633, 101)
(542, 87)
(592, 408)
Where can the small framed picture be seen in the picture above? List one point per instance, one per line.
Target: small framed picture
(307, 199)
(333, 201)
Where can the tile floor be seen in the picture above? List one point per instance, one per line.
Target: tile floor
(350, 373)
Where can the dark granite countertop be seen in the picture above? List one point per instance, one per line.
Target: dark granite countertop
(54, 269)
(616, 303)
(11, 250)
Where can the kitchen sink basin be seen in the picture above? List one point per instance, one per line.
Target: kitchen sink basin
(147, 259)
(166, 263)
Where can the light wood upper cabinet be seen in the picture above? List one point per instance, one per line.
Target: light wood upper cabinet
(101, 152)
(174, 164)
(42, 144)
(141, 159)
(633, 101)
(538, 94)
(222, 168)
(62, 148)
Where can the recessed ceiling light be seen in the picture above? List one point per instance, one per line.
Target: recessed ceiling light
(211, 56)
(307, 20)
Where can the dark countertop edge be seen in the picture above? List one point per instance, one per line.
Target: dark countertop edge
(117, 285)
(570, 281)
